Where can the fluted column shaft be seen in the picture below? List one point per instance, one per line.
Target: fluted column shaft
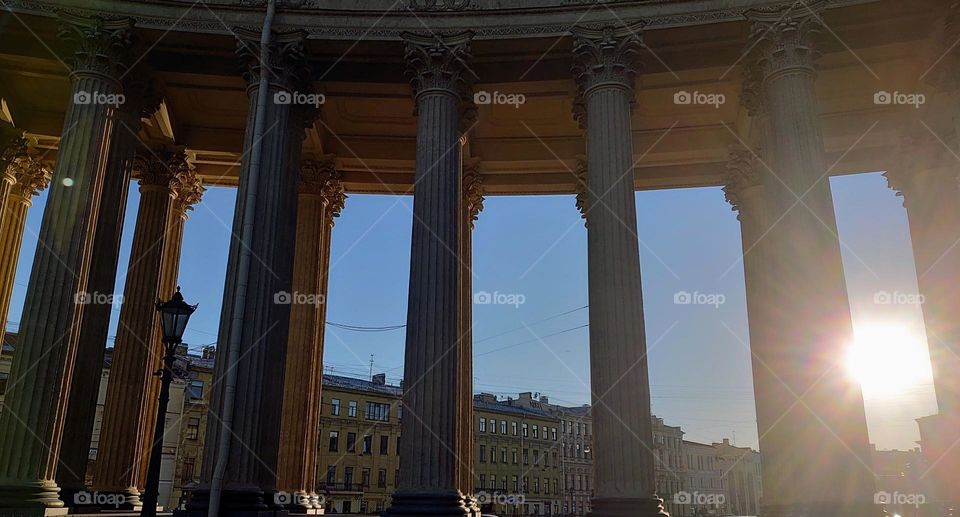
(605, 64)
(430, 466)
(31, 425)
(12, 145)
(120, 455)
(85, 386)
(262, 328)
(321, 199)
(471, 206)
(814, 405)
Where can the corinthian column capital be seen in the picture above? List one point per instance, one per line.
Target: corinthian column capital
(782, 39)
(472, 190)
(189, 191)
(743, 173)
(439, 63)
(321, 178)
(161, 169)
(289, 66)
(102, 46)
(604, 57)
(30, 175)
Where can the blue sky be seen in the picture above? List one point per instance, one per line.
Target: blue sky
(535, 247)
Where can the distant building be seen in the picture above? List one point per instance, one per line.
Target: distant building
(670, 470)
(706, 489)
(904, 487)
(740, 473)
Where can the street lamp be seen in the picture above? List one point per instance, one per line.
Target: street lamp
(174, 315)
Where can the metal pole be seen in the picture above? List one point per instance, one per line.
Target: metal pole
(152, 489)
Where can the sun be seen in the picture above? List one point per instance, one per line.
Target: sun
(887, 360)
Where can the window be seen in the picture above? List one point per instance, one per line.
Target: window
(334, 441)
(368, 444)
(503, 455)
(351, 442)
(536, 457)
(483, 454)
(335, 407)
(379, 412)
(382, 478)
(195, 390)
(514, 456)
(536, 431)
(331, 474)
(352, 409)
(186, 470)
(516, 484)
(503, 427)
(483, 425)
(493, 481)
(365, 477)
(483, 481)
(348, 476)
(526, 456)
(553, 433)
(526, 484)
(493, 454)
(526, 432)
(513, 425)
(493, 426)
(384, 444)
(193, 428)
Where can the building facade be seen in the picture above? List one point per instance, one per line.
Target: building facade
(706, 490)
(741, 473)
(671, 469)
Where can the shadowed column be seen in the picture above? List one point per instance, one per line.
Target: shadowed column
(13, 143)
(813, 432)
(605, 64)
(321, 199)
(142, 100)
(121, 450)
(261, 329)
(31, 424)
(430, 466)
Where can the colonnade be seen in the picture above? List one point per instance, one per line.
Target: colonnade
(799, 315)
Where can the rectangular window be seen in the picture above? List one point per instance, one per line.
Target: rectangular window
(193, 428)
(378, 412)
(526, 432)
(536, 457)
(335, 407)
(483, 454)
(365, 477)
(526, 484)
(503, 427)
(186, 471)
(382, 478)
(553, 433)
(503, 455)
(352, 409)
(384, 444)
(483, 425)
(536, 431)
(334, 441)
(514, 456)
(195, 390)
(516, 484)
(348, 476)
(493, 481)
(483, 481)
(493, 454)
(493, 426)
(513, 425)
(331, 474)
(526, 456)
(351, 442)
(368, 444)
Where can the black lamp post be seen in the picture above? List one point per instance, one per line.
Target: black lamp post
(174, 315)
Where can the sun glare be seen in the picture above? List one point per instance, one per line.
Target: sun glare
(887, 360)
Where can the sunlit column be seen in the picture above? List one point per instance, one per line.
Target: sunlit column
(31, 424)
(30, 177)
(926, 176)
(605, 64)
(12, 144)
(472, 204)
(430, 466)
(816, 455)
(142, 100)
(121, 450)
(321, 200)
(241, 453)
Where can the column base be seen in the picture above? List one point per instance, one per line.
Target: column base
(30, 499)
(250, 502)
(433, 504)
(826, 509)
(628, 507)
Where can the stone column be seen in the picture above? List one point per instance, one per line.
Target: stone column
(30, 177)
(12, 144)
(926, 176)
(814, 405)
(321, 199)
(250, 480)
(472, 204)
(605, 63)
(142, 100)
(31, 425)
(430, 467)
(120, 455)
